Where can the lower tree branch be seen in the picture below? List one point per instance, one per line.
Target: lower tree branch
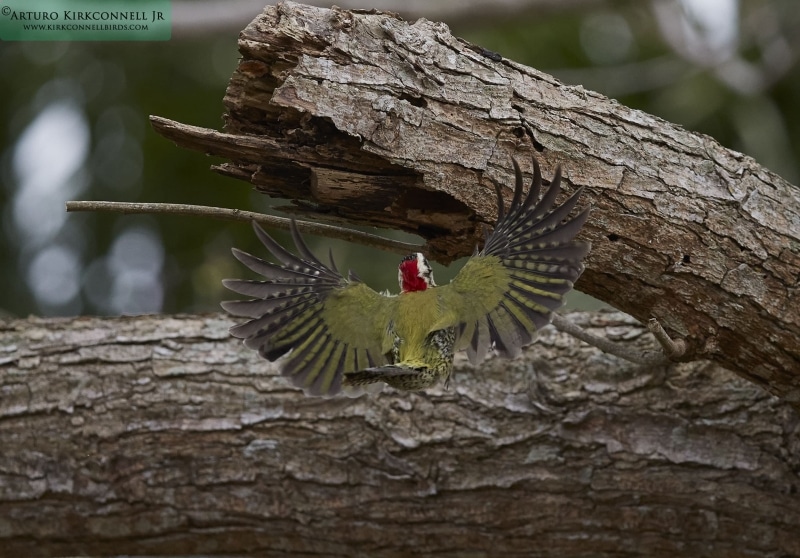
(162, 435)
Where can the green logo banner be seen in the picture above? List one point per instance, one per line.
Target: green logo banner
(85, 20)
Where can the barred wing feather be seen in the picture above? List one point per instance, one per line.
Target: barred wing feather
(510, 289)
(328, 324)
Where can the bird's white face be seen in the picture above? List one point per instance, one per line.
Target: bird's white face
(414, 273)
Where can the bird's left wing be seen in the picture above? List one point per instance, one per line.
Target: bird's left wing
(331, 324)
(509, 290)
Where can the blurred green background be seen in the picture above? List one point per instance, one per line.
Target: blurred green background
(75, 126)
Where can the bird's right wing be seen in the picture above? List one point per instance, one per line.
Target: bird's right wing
(331, 324)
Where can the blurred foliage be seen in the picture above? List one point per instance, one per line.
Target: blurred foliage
(618, 49)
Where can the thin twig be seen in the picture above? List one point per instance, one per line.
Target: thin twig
(672, 348)
(330, 231)
(649, 358)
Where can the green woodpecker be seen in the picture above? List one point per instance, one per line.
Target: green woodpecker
(339, 332)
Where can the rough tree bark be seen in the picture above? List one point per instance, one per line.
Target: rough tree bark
(162, 435)
(369, 119)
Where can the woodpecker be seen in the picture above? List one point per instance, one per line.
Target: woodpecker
(338, 332)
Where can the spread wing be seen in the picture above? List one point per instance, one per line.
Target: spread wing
(530, 261)
(331, 324)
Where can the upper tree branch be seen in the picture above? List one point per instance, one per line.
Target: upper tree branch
(377, 121)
